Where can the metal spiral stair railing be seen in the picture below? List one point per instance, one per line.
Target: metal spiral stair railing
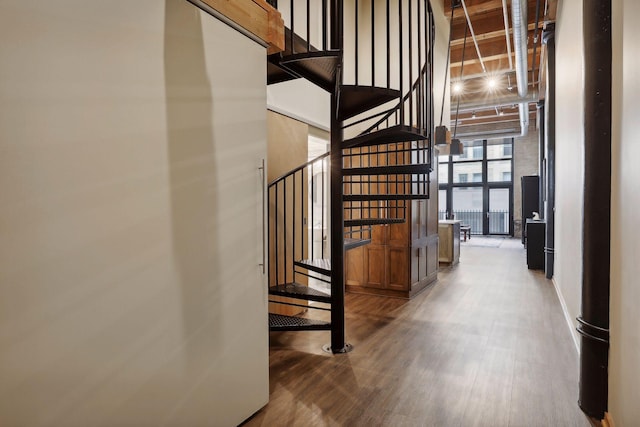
(387, 116)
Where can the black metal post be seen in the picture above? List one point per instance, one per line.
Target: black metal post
(542, 137)
(338, 344)
(550, 150)
(594, 322)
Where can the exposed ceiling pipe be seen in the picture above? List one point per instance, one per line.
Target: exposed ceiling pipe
(519, 22)
(505, 15)
(467, 77)
(473, 36)
(503, 101)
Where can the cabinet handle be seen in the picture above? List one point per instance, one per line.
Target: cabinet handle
(262, 189)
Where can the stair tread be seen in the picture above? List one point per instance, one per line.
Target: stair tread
(319, 265)
(415, 168)
(382, 197)
(277, 74)
(298, 291)
(319, 67)
(390, 135)
(350, 243)
(280, 322)
(372, 221)
(355, 100)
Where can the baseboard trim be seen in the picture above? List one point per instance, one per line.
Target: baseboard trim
(567, 316)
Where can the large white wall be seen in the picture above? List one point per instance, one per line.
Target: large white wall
(569, 157)
(129, 284)
(624, 356)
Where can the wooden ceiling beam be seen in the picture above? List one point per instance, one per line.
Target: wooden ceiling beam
(490, 21)
(497, 35)
(474, 7)
(493, 58)
(488, 47)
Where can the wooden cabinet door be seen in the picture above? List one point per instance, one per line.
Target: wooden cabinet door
(375, 263)
(397, 268)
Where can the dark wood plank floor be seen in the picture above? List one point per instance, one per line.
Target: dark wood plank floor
(487, 345)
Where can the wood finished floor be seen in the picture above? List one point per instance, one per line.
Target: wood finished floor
(487, 345)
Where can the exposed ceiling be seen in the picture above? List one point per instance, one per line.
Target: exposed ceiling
(484, 111)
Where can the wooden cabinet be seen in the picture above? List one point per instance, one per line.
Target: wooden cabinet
(402, 259)
(535, 244)
(449, 246)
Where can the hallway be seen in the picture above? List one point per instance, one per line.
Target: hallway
(487, 345)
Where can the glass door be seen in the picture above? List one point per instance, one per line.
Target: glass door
(467, 207)
(498, 211)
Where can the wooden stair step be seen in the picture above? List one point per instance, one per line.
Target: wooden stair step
(390, 135)
(355, 100)
(298, 291)
(280, 322)
(319, 67)
(372, 221)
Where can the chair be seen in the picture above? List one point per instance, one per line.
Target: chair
(465, 230)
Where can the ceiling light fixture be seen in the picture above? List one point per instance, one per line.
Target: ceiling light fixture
(473, 115)
(492, 83)
(457, 88)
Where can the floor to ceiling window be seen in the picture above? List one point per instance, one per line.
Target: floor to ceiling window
(477, 186)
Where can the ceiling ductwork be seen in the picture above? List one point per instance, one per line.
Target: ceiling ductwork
(503, 101)
(519, 22)
(505, 83)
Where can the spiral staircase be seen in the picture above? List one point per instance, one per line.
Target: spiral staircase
(375, 58)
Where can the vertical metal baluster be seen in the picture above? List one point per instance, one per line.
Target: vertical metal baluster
(276, 237)
(291, 11)
(388, 46)
(284, 226)
(356, 39)
(303, 214)
(293, 229)
(410, 31)
(308, 27)
(323, 209)
(324, 24)
(312, 222)
(373, 44)
(401, 53)
(420, 95)
(268, 232)
(428, 57)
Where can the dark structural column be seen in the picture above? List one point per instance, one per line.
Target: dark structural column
(338, 344)
(550, 150)
(541, 150)
(594, 322)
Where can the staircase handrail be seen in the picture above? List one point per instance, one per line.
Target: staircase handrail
(299, 168)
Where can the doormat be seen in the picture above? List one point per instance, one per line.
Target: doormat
(485, 242)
